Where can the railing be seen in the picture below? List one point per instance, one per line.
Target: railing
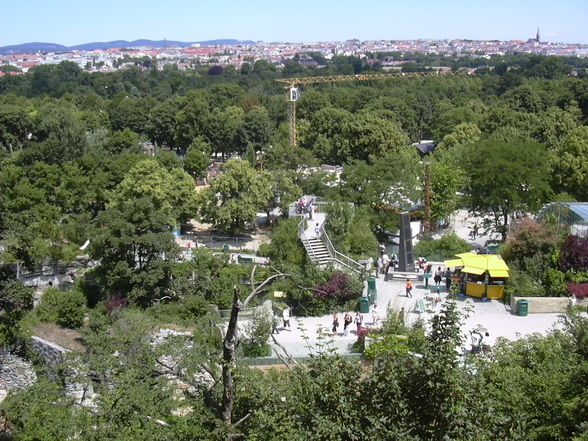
(340, 257)
(302, 226)
(336, 256)
(319, 206)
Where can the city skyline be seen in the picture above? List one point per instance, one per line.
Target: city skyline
(70, 22)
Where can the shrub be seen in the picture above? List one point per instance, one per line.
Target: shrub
(574, 255)
(66, 308)
(257, 332)
(340, 289)
(15, 300)
(555, 282)
(527, 239)
(440, 249)
(580, 290)
(115, 303)
(285, 247)
(521, 284)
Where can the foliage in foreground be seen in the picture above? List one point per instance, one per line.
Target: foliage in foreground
(533, 389)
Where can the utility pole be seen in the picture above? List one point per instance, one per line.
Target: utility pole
(428, 193)
(294, 96)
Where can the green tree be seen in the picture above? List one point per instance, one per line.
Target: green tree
(191, 120)
(223, 128)
(506, 179)
(162, 122)
(197, 161)
(257, 129)
(235, 197)
(447, 181)
(443, 248)
(15, 300)
(464, 133)
(171, 191)
(66, 308)
(569, 163)
(15, 126)
(134, 244)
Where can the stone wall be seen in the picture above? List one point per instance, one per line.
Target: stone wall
(15, 373)
(542, 305)
(52, 353)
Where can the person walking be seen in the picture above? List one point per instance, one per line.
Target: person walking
(438, 276)
(375, 315)
(379, 266)
(286, 318)
(275, 321)
(317, 230)
(346, 322)
(408, 288)
(335, 322)
(385, 263)
(358, 321)
(448, 276)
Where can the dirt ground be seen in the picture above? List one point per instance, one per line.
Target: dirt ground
(67, 338)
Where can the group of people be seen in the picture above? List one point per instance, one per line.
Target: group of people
(384, 263)
(306, 207)
(347, 320)
(480, 341)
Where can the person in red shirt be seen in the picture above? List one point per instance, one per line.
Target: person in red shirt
(408, 288)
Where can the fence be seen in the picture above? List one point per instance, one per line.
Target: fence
(236, 244)
(273, 361)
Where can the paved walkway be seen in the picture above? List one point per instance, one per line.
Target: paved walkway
(495, 316)
(317, 219)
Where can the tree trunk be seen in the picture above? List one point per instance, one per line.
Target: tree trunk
(229, 346)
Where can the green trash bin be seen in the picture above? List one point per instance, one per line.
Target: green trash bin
(226, 248)
(523, 307)
(364, 305)
(371, 286)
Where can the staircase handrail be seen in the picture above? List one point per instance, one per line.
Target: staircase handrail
(302, 226)
(340, 257)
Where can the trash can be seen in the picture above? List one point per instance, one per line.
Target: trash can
(522, 307)
(364, 305)
(371, 286)
(226, 248)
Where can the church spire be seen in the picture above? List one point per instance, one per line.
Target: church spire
(537, 36)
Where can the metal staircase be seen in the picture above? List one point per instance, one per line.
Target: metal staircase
(317, 251)
(320, 249)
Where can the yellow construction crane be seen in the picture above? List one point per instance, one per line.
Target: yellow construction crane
(292, 85)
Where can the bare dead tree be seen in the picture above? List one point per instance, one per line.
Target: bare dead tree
(230, 343)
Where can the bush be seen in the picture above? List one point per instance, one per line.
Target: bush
(340, 288)
(580, 290)
(255, 350)
(574, 255)
(440, 249)
(66, 308)
(257, 332)
(184, 312)
(285, 247)
(521, 284)
(15, 300)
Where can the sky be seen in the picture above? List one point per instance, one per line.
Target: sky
(71, 22)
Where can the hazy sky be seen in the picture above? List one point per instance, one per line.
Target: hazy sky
(71, 22)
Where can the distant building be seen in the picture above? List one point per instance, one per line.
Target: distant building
(571, 216)
(535, 40)
(425, 147)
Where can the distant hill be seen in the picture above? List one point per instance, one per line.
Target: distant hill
(28, 48)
